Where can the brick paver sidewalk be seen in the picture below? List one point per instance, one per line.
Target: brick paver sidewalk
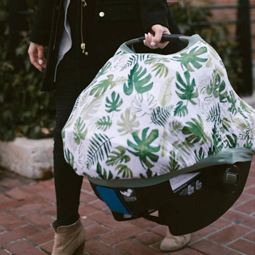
(28, 207)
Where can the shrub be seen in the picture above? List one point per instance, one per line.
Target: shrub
(25, 111)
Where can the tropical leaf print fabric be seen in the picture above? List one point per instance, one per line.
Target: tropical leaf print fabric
(146, 115)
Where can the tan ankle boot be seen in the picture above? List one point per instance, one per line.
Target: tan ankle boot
(174, 243)
(69, 240)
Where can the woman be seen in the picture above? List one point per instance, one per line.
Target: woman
(82, 35)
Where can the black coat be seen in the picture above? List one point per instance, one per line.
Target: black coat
(122, 20)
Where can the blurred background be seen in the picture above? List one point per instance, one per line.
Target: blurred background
(228, 25)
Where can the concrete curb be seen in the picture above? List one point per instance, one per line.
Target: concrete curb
(30, 158)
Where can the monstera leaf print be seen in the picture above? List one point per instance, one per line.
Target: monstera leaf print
(143, 104)
(128, 123)
(188, 89)
(200, 155)
(195, 131)
(118, 156)
(158, 65)
(104, 123)
(217, 87)
(180, 110)
(79, 131)
(113, 104)
(231, 141)
(103, 70)
(160, 69)
(138, 79)
(124, 170)
(99, 88)
(99, 148)
(186, 59)
(143, 148)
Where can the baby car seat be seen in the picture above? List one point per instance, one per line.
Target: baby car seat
(163, 134)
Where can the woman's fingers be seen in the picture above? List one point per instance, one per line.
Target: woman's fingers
(36, 55)
(41, 60)
(153, 41)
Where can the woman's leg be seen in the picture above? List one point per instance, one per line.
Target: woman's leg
(67, 182)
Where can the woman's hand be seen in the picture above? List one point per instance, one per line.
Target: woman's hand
(173, 1)
(152, 40)
(36, 55)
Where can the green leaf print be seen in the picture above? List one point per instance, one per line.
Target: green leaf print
(195, 130)
(98, 148)
(102, 173)
(186, 59)
(113, 104)
(200, 155)
(188, 89)
(160, 115)
(148, 174)
(232, 100)
(143, 148)
(139, 80)
(69, 158)
(248, 143)
(226, 124)
(180, 110)
(131, 61)
(231, 141)
(104, 123)
(214, 115)
(217, 140)
(99, 88)
(117, 157)
(152, 59)
(79, 131)
(89, 110)
(126, 172)
(245, 107)
(160, 69)
(217, 87)
(128, 123)
(175, 127)
(173, 162)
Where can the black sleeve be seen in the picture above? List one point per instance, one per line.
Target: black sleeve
(154, 12)
(42, 25)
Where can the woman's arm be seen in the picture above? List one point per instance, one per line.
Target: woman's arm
(40, 35)
(41, 28)
(154, 12)
(155, 18)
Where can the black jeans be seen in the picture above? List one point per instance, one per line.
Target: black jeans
(72, 78)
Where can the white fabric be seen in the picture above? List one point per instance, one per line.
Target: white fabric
(148, 115)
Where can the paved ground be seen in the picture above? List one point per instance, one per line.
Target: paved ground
(28, 207)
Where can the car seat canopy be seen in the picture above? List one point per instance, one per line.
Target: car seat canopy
(147, 115)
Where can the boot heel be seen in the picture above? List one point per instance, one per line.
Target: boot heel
(80, 249)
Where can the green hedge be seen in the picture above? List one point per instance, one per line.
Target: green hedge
(25, 111)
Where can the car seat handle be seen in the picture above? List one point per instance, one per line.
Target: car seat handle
(165, 38)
